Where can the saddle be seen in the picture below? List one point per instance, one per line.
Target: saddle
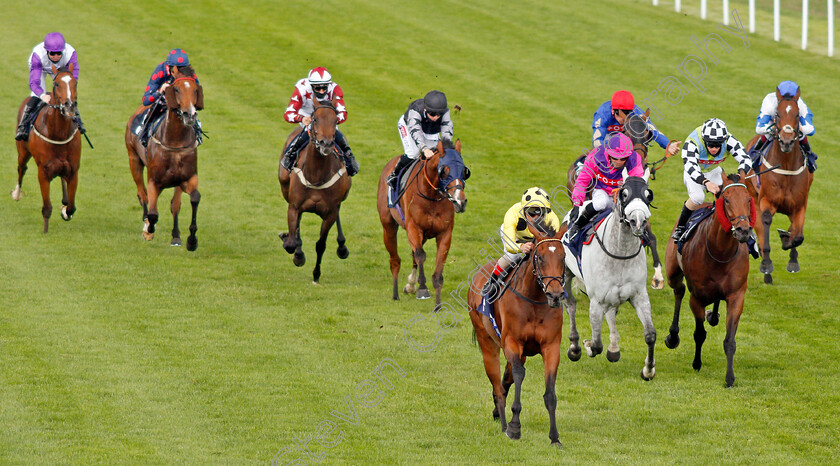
(30, 120)
(487, 308)
(585, 236)
(137, 123)
(697, 217)
(402, 182)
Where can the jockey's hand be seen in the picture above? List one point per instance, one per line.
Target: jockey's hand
(427, 153)
(163, 87)
(674, 147)
(526, 247)
(711, 187)
(306, 120)
(46, 98)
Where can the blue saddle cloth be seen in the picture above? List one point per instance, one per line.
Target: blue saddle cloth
(691, 226)
(137, 123)
(402, 180)
(585, 235)
(485, 308)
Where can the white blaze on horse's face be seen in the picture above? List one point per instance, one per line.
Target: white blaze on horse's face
(637, 214)
(192, 106)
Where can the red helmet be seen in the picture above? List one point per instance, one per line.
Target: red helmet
(622, 100)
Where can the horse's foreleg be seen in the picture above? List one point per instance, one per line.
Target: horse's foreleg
(46, 210)
(699, 331)
(517, 362)
(766, 264)
(613, 350)
(571, 309)
(175, 208)
(68, 200)
(641, 302)
(443, 242)
(551, 359)
(192, 241)
(594, 347)
(415, 239)
(490, 356)
(152, 215)
(658, 281)
(342, 251)
(675, 281)
(137, 173)
(734, 307)
(795, 238)
(321, 245)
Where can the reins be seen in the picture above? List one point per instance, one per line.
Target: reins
(539, 276)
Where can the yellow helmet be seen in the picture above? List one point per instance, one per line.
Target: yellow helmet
(536, 197)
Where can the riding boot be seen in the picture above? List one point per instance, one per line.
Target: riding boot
(493, 285)
(147, 121)
(583, 218)
(392, 178)
(810, 157)
(349, 161)
(290, 156)
(198, 132)
(23, 128)
(680, 229)
(756, 150)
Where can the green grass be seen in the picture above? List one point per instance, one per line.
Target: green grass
(113, 349)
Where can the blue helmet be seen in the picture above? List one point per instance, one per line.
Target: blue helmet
(788, 88)
(177, 57)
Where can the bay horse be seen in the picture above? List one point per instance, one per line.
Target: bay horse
(320, 186)
(171, 156)
(530, 317)
(613, 269)
(440, 178)
(56, 145)
(637, 129)
(715, 265)
(783, 189)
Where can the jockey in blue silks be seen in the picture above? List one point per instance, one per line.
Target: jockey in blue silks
(610, 118)
(767, 115)
(162, 77)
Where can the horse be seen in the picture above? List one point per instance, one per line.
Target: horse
(171, 156)
(531, 321)
(320, 186)
(56, 145)
(614, 270)
(440, 178)
(785, 188)
(637, 129)
(715, 264)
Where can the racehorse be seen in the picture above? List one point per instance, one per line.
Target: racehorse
(637, 129)
(171, 156)
(56, 145)
(715, 265)
(613, 269)
(320, 185)
(439, 178)
(531, 321)
(785, 188)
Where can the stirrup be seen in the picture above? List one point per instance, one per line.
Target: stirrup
(678, 233)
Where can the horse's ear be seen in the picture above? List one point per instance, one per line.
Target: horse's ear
(778, 95)
(54, 70)
(70, 67)
(171, 101)
(199, 99)
(439, 148)
(647, 114)
(458, 145)
(796, 97)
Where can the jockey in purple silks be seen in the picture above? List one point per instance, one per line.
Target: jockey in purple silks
(606, 165)
(53, 51)
(161, 78)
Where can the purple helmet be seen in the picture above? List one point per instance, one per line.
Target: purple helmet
(54, 42)
(618, 146)
(177, 57)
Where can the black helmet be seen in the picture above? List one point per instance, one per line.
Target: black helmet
(435, 102)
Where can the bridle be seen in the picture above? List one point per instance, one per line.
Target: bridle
(442, 192)
(777, 129)
(61, 106)
(322, 149)
(538, 273)
(732, 221)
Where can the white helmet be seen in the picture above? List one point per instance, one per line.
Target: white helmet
(319, 75)
(714, 131)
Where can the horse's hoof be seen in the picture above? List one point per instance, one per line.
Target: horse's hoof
(574, 353)
(495, 414)
(176, 242)
(648, 376)
(613, 357)
(342, 252)
(672, 340)
(657, 284)
(423, 293)
(697, 364)
(557, 445)
(712, 318)
(299, 259)
(64, 215)
(16, 194)
(148, 236)
(730, 383)
(766, 268)
(768, 279)
(793, 267)
(192, 243)
(512, 433)
(410, 289)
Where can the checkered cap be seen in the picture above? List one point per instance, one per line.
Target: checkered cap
(714, 130)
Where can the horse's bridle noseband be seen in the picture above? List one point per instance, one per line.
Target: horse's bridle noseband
(321, 148)
(736, 218)
(537, 273)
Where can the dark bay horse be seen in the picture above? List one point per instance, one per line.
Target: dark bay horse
(171, 156)
(427, 214)
(783, 189)
(56, 145)
(530, 316)
(319, 185)
(637, 129)
(715, 264)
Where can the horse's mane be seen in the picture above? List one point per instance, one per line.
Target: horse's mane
(734, 177)
(63, 69)
(187, 71)
(543, 228)
(447, 144)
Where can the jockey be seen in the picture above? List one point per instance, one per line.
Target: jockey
(421, 126)
(53, 51)
(766, 116)
(606, 165)
(518, 241)
(316, 88)
(704, 149)
(162, 77)
(610, 118)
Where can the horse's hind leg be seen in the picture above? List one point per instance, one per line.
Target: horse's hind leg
(766, 264)
(46, 210)
(794, 239)
(136, 166)
(342, 250)
(490, 356)
(175, 208)
(734, 307)
(152, 216)
(675, 281)
(551, 359)
(389, 237)
(321, 245)
(415, 239)
(641, 302)
(195, 197)
(658, 281)
(23, 157)
(594, 347)
(571, 307)
(699, 331)
(713, 316)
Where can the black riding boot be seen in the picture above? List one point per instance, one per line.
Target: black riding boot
(810, 157)
(392, 178)
(349, 161)
(23, 126)
(147, 121)
(493, 285)
(583, 218)
(756, 150)
(680, 229)
(290, 156)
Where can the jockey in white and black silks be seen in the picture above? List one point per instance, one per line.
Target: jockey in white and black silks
(318, 87)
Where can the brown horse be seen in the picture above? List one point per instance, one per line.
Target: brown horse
(440, 178)
(320, 185)
(171, 156)
(715, 263)
(56, 145)
(530, 317)
(637, 129)
(785, 188)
